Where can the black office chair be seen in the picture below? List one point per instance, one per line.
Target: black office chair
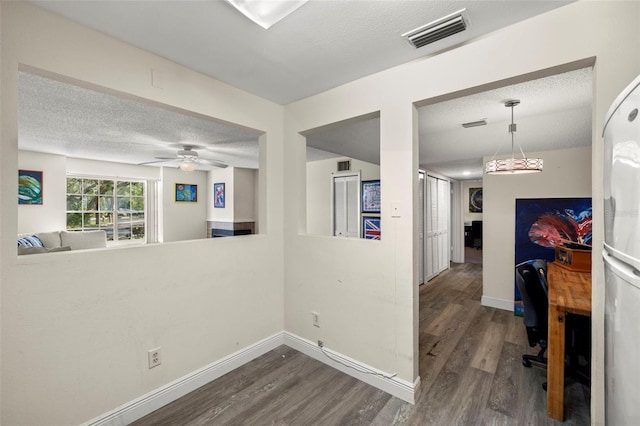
(532, 284)
(476, 234)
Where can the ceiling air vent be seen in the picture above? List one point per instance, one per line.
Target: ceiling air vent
(438, 29)
(344, 166)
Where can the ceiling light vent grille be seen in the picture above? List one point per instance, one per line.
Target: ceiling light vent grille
(344, 166)
(438, 29)
(482, 122)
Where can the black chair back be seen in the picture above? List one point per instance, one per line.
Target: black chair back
(532, 284)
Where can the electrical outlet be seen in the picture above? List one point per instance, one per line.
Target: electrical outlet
(154, 358)
(320, 344)
(316, 319)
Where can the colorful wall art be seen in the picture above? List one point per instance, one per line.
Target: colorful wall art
(186, 193)
(29, 187)
(542, 223)
(371, 227)
(475, 200)
(371, 196)
(218, 195)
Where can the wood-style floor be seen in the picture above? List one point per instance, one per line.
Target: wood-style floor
(470, 368)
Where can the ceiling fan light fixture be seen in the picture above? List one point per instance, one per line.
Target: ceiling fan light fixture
(188, 166)
(266, 12)
(513, 165)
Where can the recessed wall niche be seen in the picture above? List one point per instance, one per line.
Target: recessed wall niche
(73, 129)
(343, 178)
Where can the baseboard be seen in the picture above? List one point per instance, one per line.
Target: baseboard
(492, 302)
(146, 404)
(395, 386)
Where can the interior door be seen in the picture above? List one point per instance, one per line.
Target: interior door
(443, 225)
(346, 206)
(421, 226)
(431, 246)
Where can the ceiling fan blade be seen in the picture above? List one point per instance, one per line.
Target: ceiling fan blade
(166, 158)
(214, 163)
(156, 161)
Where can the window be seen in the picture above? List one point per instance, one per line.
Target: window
(116, 206)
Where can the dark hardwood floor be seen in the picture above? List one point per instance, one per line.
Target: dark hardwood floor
(470, 368)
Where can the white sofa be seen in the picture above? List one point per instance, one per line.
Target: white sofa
(48, 242)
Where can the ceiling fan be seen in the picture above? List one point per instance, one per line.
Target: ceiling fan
(188, 159)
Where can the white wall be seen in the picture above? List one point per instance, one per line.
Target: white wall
(51, 215)
(319, 181)
(467, 215)
(66, 327)
(183, 221)
(348, 280)
(243, 195)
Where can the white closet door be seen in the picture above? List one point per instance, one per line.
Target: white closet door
(443, 224)
(437, 251)
(431, 246)
(346, 206)
(353, 207)
(421, 225)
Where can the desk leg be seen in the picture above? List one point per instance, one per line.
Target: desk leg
(555, 364)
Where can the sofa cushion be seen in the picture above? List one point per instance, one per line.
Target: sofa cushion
(34, 250)
(80, 240)
(50, 239)
(29, 241)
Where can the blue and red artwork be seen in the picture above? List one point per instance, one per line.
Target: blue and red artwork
(371, 228)
(543, 223)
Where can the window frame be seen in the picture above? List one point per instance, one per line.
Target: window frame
(114, 226)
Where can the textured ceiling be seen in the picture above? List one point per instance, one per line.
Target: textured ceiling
(554, 113)
(323, 44)
(61, 118)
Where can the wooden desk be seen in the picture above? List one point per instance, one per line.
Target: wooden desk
(569, 292)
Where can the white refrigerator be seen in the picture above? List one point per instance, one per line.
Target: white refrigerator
(622, 258)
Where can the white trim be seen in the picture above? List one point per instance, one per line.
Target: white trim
(148, 403)
(395, 386)
(160, 397)
(492, 302)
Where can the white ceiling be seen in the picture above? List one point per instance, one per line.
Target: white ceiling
(323, 44)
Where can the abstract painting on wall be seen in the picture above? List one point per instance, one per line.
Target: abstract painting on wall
(475, 200)
(543, 223)
(218, 195)
(29, 187)
(186, 193)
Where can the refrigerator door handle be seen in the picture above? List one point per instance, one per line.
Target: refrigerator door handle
(624, 270)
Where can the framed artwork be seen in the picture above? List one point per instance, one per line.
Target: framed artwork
(371, 196)
(371, 227)
(543, 223)
(186, 193)
(475, 200)
(218, 195)
(29, 187)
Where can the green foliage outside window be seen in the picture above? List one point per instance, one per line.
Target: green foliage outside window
(113, 205)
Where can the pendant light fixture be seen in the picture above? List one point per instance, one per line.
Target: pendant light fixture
(513, 165)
